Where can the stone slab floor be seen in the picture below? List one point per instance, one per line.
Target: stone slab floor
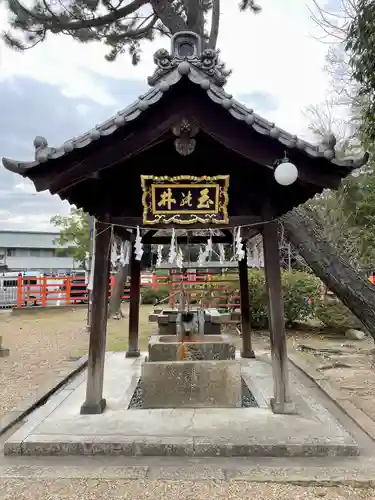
(199, 478)
(57, 428)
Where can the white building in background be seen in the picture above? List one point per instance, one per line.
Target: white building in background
(33, 251)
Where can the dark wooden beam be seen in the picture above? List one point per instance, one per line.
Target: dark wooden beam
(281, 402)
(247, 350)
(248, 220)
(135, 291)
(95, 403)
(228, 233)
(109, 155)
(186, 240)
(148, 236)
(213, 120)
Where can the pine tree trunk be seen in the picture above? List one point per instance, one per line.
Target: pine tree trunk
(118, 289)
(121, 277)
(305, 232)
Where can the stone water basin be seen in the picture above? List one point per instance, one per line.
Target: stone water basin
(166, 320)
(214, 347)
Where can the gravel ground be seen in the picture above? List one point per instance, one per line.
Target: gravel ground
(92, 489)
(40, 346)
(351, 368)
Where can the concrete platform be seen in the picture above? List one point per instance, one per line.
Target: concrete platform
(57, 428)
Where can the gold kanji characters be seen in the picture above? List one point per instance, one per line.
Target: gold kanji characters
(166, 199)
(204, 201)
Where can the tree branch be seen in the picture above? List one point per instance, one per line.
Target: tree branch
(168, 15)
(215, 21)
(194, 16)
(137, 33)
(100, 21)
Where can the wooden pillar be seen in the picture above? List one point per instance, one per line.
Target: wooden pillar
(247, 351)
(135, 292)
(281, 402)
(95, 403)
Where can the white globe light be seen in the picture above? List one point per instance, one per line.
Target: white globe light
(286, 173)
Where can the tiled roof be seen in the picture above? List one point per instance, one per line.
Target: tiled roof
(164, 79)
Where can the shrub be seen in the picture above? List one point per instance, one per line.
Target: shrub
(258, 299)
(333, 314)
(298, 287)
(300, 294)
(153, 295)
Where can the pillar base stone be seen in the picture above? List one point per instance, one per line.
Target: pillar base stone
(287, 408)
(133, 353)
(249, 354)
(93, 408)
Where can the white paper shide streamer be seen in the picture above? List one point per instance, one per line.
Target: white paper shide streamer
(239, 247)
(221, 253)
(124, 254)
(172, 249)
(205, 255)
(138, 245)
(159, 258)
(114, 256)
(90, 284)
(180, 259)
(201, 257)
(250, 255)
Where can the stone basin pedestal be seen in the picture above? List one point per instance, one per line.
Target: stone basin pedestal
(192, 384)
(213, 347)
(208, 376)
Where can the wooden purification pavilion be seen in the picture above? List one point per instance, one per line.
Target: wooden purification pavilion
(185, 125)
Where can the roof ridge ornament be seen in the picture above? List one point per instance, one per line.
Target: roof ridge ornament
(186, 48)
(42, 150)
(327, 145)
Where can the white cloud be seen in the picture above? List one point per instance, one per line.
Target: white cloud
(25, 187)
(272, 53)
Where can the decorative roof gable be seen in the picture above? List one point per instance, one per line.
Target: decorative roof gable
(202, 68)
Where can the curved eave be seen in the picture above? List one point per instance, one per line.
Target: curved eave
(217, 95)
(18, 167)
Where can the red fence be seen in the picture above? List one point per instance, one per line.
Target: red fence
(201, 288)
(57, 290)
(205, 289)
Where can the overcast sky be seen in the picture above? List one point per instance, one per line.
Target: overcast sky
(61, 89)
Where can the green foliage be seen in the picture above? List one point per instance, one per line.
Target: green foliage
(349, 218)
(359, 208)
(121, 27)
(301, 292)
(258, 299)
(360, 45)
(250, 4)
(153, 295)
(74, 232)
(333, 314)
(297, 288)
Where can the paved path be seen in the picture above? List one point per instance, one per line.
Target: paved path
(58, 428)
(77, 477)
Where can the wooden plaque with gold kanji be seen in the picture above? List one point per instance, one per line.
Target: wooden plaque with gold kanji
(185, 199)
